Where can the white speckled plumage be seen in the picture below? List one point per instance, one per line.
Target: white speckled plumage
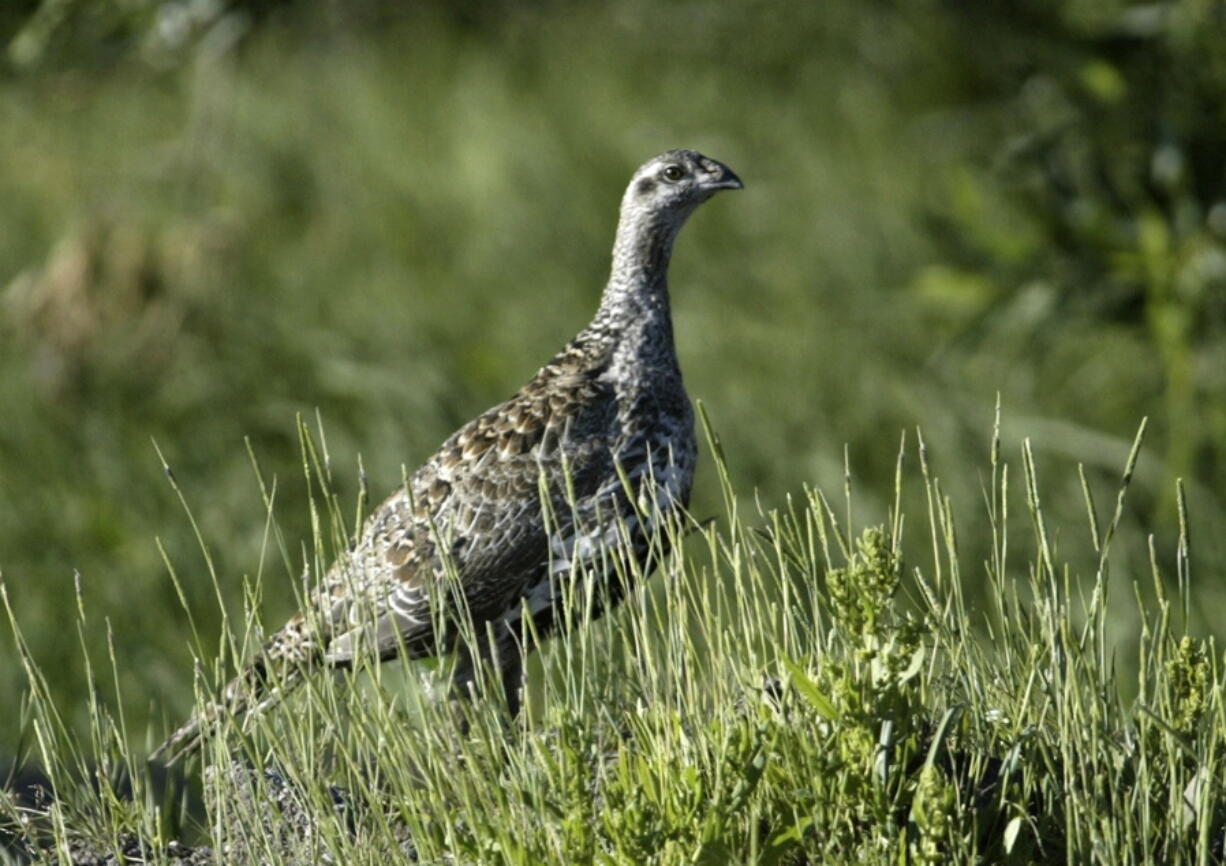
(525, 493)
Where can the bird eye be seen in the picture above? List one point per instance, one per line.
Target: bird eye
(672, 173)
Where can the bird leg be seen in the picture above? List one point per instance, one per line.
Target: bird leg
(499, 653)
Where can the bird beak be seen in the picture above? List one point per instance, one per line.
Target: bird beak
(722, 178)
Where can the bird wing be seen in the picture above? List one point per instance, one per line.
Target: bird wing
(471, 529)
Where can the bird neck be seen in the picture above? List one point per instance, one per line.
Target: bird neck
(643, 247)
(635, 302)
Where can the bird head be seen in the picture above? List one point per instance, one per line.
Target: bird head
(661, 196)
(676, 182)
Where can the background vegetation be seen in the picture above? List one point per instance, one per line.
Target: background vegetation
(218, 216)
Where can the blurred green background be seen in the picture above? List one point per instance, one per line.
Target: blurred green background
(216, 215)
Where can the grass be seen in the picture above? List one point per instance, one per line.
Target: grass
(790, 689)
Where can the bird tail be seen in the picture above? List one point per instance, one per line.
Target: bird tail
(252, 691)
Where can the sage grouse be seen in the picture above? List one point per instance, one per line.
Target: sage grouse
(587, 457)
